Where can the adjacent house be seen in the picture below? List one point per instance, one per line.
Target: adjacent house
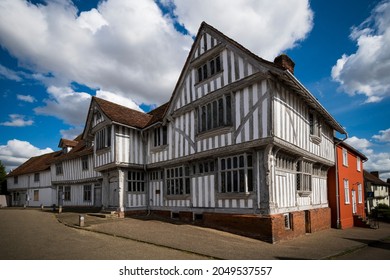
(30, 184)
(376, 190)
(346, 186)
(73, 175)
(241, 145)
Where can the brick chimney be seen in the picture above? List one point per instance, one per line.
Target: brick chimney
(375, 173)
(286, 62)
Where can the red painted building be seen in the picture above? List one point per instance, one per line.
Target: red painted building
(346, 186)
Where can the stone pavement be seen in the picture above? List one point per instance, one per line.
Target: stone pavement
(208, 242)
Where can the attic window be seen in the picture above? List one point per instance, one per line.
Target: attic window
(209, 69)
(160, 136)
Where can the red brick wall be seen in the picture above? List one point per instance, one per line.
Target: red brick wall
(319, 219)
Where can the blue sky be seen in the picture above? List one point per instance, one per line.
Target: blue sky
(56, 54)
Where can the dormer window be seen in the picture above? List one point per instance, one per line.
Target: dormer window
(209, 69)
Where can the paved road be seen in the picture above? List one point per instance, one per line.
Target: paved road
(379, 250)
(32, 234)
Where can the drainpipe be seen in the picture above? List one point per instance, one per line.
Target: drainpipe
(338, 225)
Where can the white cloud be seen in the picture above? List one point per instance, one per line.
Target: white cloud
(130, 47)
(118, 99)
(17, 120)
(9, 74)
(72, 132)
(16, 152)
(366, 71)
(66, 104)
(377, 161)
(383, 136)
(265, 27)
(26, 98)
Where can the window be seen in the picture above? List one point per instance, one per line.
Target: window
(345, 157)
(84, 162)
(135, 181)
(360, 193)
(67, 193)
(16, 179)
(156, 175)
(87, 192)
(346, 191)
(304, 173)
(204, 167)
(215, 114)
(177, 180)
(358, 163)
(287, 221)
(314, 128)
(160, 136)
(36, 177)
(209, 69)
(236, 174)
(59, 170)
(98, 117)
(103, 138)
(36, 195)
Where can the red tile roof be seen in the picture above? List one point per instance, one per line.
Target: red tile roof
(35, 164)
(122, 114)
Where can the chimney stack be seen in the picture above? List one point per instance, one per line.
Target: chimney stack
(286, 62)
(375, 173)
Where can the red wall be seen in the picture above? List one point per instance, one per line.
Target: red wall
(354, 176)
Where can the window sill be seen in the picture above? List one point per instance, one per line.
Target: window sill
(157, 149)
(237, 195)
(103, 150)
(304, 193)
(214, 132)
(205, 81)
(315, 139)
(178, 196)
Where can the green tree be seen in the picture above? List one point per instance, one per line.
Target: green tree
(3, 180)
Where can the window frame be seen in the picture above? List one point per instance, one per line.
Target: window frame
(215, 114)
(16, 180)
(87, 193)
(67, 191)
(103, 138)
(136, 181)
(315, 128)
(304, 173)
(236, 176)
(160, 136)
(347, 199)
(360, 193)
(85, 162)
(209, 69)
(177, 181)
(345, 156)
(36, 177)
(358, 164)
(59, 168)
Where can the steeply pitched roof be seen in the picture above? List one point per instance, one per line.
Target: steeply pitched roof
(158, 114)
(122, 114)
(35, 164)
(78, 151)
(67, 143)
(277, 71)
(374, 180)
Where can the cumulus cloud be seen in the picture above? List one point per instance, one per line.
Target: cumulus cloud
(118, 99)
(71, 133)
(66, 104)
(132, 48)
(373, 40)
(383, 136)
(16, 152)
(265, 27)
(377, 161)
(17, 120)
(26, 98)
